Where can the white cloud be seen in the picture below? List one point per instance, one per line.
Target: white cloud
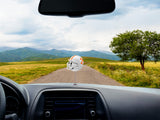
(21, 25)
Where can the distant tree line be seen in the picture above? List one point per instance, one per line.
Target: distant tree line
(139, 45)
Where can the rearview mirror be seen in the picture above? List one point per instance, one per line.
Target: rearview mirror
(75, 8)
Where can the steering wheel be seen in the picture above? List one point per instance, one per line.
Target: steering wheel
(2, 103)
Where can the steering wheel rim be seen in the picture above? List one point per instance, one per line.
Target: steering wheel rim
(2, 103)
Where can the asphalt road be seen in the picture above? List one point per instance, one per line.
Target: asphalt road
(85, 75)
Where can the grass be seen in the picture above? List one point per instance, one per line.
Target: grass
(24, 72)
(51, 61)
(3, 63)
(88, 60)
(127, 73)
(130, 73)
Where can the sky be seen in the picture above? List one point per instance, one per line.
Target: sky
(22, 26)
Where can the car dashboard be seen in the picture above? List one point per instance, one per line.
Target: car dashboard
(67, 101)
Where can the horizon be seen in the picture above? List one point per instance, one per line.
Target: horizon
(30, 54)
(11, 48)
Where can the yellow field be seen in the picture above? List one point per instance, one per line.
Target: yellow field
(136, 64)
(130, 73)
(22, 73)
(127, 73)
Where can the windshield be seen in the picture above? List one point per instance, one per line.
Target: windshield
(120, 49)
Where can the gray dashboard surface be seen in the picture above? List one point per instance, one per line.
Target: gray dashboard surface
(124, 103)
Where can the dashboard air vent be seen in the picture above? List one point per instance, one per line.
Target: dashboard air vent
(69, 105)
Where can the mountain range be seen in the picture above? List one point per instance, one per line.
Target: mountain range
(31, 54)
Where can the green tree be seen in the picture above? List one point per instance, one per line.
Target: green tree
(154, 44)
(136, 45)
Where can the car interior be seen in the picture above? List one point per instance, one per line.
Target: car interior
(69, 101)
